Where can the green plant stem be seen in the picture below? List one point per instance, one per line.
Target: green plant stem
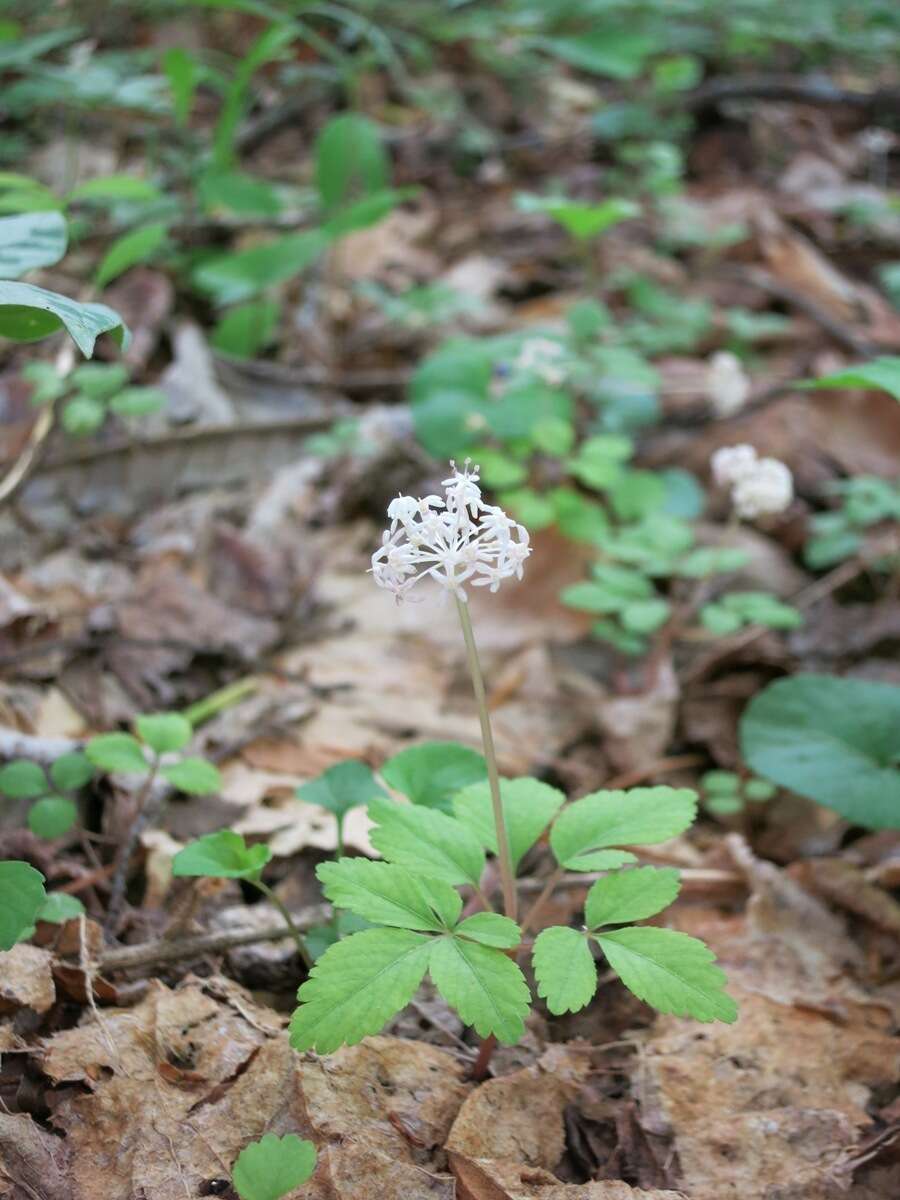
(534, 912)
(216, 702)
(299, 939)
(123, 858)
(340, 836)
(507, 875)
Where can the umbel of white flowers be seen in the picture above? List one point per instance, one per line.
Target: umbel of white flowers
(454, 540)
(759, 486)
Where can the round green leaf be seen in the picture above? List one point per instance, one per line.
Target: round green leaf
(344, 786)
(222, 855)
(118, 752)
(138, 402)
(195, 776)
(22, 780)
(60, 907)
(273, 1166)
(21, 897)
(71, 771)
(164, 732)
(82, 415)
(433, 772)
(834, 740)
(52, 817)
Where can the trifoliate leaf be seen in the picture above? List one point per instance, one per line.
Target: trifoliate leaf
(639, 817)
(564, 968)
(273, 1166)
(670, 971)
(491, 930)
(485, 987)
(222, 855)
(52, 816)
(21, 897)
(60, 907)
(528, 808)
(356, 987)
(22, 780)
(71, 771)
(164, 732)
(433, 772)
(195, 776)
(426, 841)
(630, 895)
(344, 786)
(118, 752)
(389, 895)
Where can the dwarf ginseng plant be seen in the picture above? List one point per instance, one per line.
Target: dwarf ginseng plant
(413, 899)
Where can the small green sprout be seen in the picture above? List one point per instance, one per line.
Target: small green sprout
(725, 793)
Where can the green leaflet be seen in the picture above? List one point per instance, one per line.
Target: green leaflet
(565, 969)
(221, 855)
(389, 895)
(670, 971)
(346, 785)
(528, 808)
(641, 816)
(490, 929)
(357, 986)
(273, 1166)
(432, 772)
(485, 987)
(427, 841)
(631, 895)
(22, 896)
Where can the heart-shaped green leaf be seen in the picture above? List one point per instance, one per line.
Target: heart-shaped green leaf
(222, 855)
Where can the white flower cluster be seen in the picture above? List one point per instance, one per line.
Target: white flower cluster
(542, 356)
(727, 386)
(453, 540)
(758, 485)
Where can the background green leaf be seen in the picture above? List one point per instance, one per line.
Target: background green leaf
(432, 772)
(21, 897)
(164, 732)
(195, 776)
(273, 1166)
(346, 785)
(31, 240)
(52, 816)
(118, 752)
(222, 855)
(23, 780)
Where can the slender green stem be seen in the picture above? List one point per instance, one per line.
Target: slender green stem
(340, 835)
(507, 875)
(534, 912)
(299, 939)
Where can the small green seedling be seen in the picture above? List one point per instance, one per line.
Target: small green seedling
(60, 907)
(90, 394)
(159, 736)
(273, 1166)
(343, 787)
(22, 897)
(54, 810)
(725, 793)
(730, 613)
(581, 221)
(835, 536)
(225, 855)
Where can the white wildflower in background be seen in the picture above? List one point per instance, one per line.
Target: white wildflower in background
(759, 486)
(455, 539)
(542, 356)
(727, 384)
(731, 463)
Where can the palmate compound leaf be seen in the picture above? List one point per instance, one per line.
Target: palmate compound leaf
(357, 986)
(670, 971)
(389, 895)
(585, 830)
(564, 968)
(273, 1166)
(528, 808)
(427, 841)
(21, 898)
(485, 987)
(630, 895)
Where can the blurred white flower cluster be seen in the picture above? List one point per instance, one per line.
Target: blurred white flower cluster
(727, 385)
(542, 357)
(759, 486)
(455, 539)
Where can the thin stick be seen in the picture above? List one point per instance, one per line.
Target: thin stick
(534, 912)
(510, 902)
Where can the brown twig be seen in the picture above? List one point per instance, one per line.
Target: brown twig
(162, 951)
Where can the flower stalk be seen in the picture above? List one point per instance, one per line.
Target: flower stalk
(504, 857)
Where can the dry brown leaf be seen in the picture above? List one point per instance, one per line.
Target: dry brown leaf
(26, 979)
(506, 1181)
(639, 728)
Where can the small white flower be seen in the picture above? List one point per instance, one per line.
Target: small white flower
(452, 540)
(727, 385)
(731, 463)
(542, 356)
(769, 488)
